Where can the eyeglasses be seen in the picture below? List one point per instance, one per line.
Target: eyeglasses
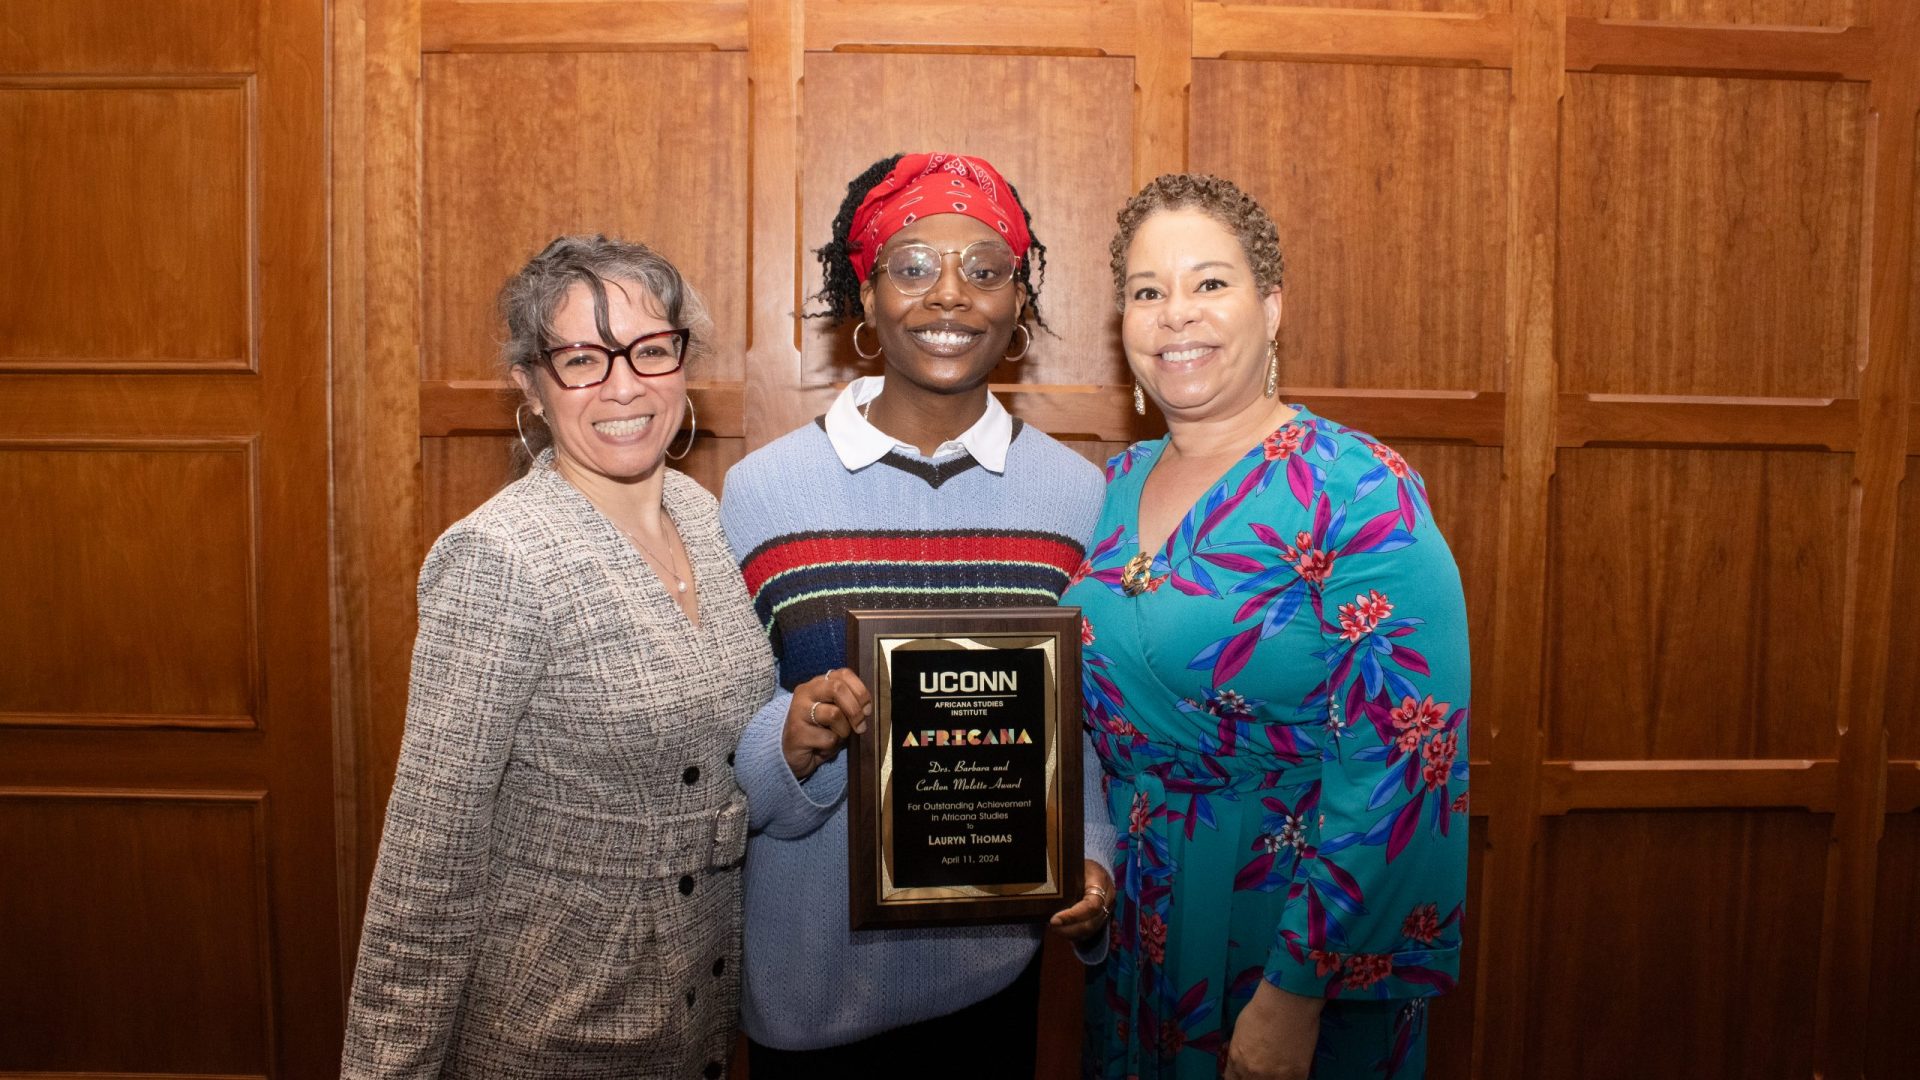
(984, 264)
(583, 364)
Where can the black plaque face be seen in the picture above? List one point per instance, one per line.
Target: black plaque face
(967, 793)
(964, 792)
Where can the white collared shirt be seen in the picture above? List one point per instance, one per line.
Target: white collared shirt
(860, 444)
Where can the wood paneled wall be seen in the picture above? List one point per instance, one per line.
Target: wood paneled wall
(168, 897)
(1631, 281)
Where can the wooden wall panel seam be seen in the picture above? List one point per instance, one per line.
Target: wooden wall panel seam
(1162, 88)
(1229, 31)
(1830, 424)
(1842, 995)
(255, 223)
(101, 721)
(49, 406)
(130, 81)
(22, 1075)
(1719, 50)
(1503, 1002)
(1101, 29)
(376, 389)
(775, 49)
(477, 25)
(348, 586)
(1809, 784)
(217, 795)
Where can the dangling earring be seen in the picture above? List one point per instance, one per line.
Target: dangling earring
(693, 425)
(1273, 368)
(517, 409)
(875, 354)
(1139, 400)
(1025, 344)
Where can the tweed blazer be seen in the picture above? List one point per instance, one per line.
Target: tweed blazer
(558, 887)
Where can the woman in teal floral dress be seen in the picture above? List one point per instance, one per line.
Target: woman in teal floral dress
(1276, 681)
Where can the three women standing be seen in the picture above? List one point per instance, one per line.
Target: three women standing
(1276, 685)
(1276, 681)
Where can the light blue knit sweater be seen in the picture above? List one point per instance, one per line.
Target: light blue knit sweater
(809, 981)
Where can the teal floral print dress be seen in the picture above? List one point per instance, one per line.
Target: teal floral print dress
(1280, 708)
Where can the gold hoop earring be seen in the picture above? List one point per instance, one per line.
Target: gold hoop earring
(1025, 344)
(693, 426)
(1139, 400)
(517, 410)
(875, 354)
(1273, 368)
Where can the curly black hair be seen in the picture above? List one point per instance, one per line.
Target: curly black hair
(841, 289)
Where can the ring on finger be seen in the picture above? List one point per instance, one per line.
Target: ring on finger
(811, 718)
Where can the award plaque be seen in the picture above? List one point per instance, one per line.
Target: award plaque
(964, 793)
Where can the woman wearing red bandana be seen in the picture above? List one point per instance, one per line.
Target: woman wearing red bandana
(915, 490)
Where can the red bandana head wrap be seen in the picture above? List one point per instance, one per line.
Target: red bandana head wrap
(922, 185)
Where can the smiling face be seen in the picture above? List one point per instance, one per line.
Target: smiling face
(620, 429)
(1194, 322)
(948, 339)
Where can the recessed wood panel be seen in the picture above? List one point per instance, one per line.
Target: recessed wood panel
(112, 36)
(1752, 12)
(460, 472)
(707, 463)
(1695, 601)
(1451, 1016)
(134, 928)
(1055, 127)
(1388, 184)
(126, 216)
(1463, 486)
(522, 147)
(1710, 236)
(1677, 945)
(129, 576)
(1903, 647)
(1896, 951)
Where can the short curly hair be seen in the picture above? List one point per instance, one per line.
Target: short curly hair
(840, 289)
(1219, 199)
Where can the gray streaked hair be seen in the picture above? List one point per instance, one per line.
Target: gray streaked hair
(531, 297)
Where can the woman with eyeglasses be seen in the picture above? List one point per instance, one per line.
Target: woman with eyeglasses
(915, 490)
(558, 888)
